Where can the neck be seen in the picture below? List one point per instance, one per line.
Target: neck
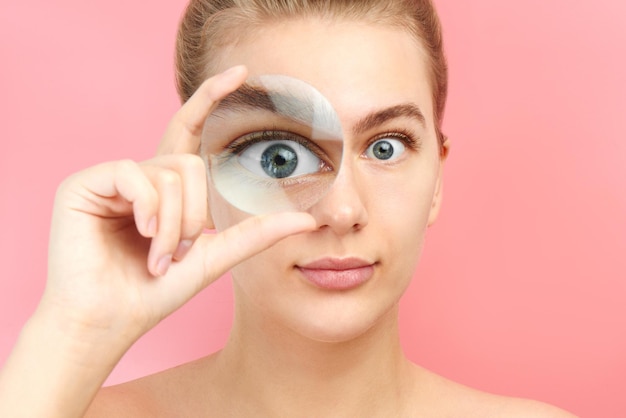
(278, 372)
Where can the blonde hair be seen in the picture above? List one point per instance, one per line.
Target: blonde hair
(210, 25)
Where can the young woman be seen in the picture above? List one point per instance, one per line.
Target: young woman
(315, 330)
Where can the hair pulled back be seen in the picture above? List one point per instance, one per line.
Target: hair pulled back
(210, 25)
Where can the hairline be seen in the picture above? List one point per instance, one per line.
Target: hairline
(219, 45)
(214, 54)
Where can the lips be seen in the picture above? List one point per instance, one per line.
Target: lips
(337, 273)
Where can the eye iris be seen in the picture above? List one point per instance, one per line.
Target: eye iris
(383, 150)
(279, 161)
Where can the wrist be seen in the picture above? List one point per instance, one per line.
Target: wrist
(57, 366)
(83, 338)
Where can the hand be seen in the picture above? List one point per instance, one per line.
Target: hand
(127, 247)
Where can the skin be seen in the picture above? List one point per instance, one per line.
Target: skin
(371, 210)
(295, 350)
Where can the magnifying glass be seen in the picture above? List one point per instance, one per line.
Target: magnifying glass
(274, 144)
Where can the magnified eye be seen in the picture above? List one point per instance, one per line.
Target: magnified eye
(279, 159)
(386, 149)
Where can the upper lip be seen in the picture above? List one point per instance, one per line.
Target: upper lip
(332, 263)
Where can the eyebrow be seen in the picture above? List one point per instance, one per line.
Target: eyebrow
(245, 97)
(377, 118)
(297, 107)
(300, 108)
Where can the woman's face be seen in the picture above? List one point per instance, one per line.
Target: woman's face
(372, 222)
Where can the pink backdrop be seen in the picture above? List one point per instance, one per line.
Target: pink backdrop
(522, 285)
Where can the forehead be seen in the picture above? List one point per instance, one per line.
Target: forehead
(359, 67)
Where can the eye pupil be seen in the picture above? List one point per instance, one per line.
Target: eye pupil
(279, 161)
(383, 150)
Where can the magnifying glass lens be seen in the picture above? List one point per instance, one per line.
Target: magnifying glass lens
(274, 144)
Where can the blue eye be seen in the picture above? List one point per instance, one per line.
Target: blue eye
(386, 149)
(279, 159)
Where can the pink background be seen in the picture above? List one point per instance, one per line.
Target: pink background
(522, 285)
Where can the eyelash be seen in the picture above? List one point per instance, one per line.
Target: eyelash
(409, 139)
(245, 141)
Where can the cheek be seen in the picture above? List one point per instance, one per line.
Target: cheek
(399, 209)
(401, 198)
(264, 281)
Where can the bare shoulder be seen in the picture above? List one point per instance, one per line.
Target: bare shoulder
(522, 408)
(449, 398)
(157, 395)
(121, 401)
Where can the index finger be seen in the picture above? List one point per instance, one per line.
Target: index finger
(184, 131)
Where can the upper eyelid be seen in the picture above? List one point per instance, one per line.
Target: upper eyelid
(411, 140)
(242, 142)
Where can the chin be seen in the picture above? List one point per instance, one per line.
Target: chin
(335, 335)
(344, 323)
(315, 314)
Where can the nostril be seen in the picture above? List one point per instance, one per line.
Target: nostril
(343, 208)
(342, 217)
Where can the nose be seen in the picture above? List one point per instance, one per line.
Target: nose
(343, 208)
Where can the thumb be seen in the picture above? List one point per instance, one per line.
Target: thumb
(216, 254)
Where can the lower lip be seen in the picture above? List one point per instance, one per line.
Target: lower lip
(338, 279)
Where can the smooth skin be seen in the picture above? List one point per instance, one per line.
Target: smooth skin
(295, 350)
(115, 228)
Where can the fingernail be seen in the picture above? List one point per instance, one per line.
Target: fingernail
(164, 264)
(182, 249)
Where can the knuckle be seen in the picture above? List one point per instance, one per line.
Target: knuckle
(169, 178)
(194, 164)
(193, 128)
(181, 121)
(189, 164)
(125, 166)
(193, 227)
(66, 185)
